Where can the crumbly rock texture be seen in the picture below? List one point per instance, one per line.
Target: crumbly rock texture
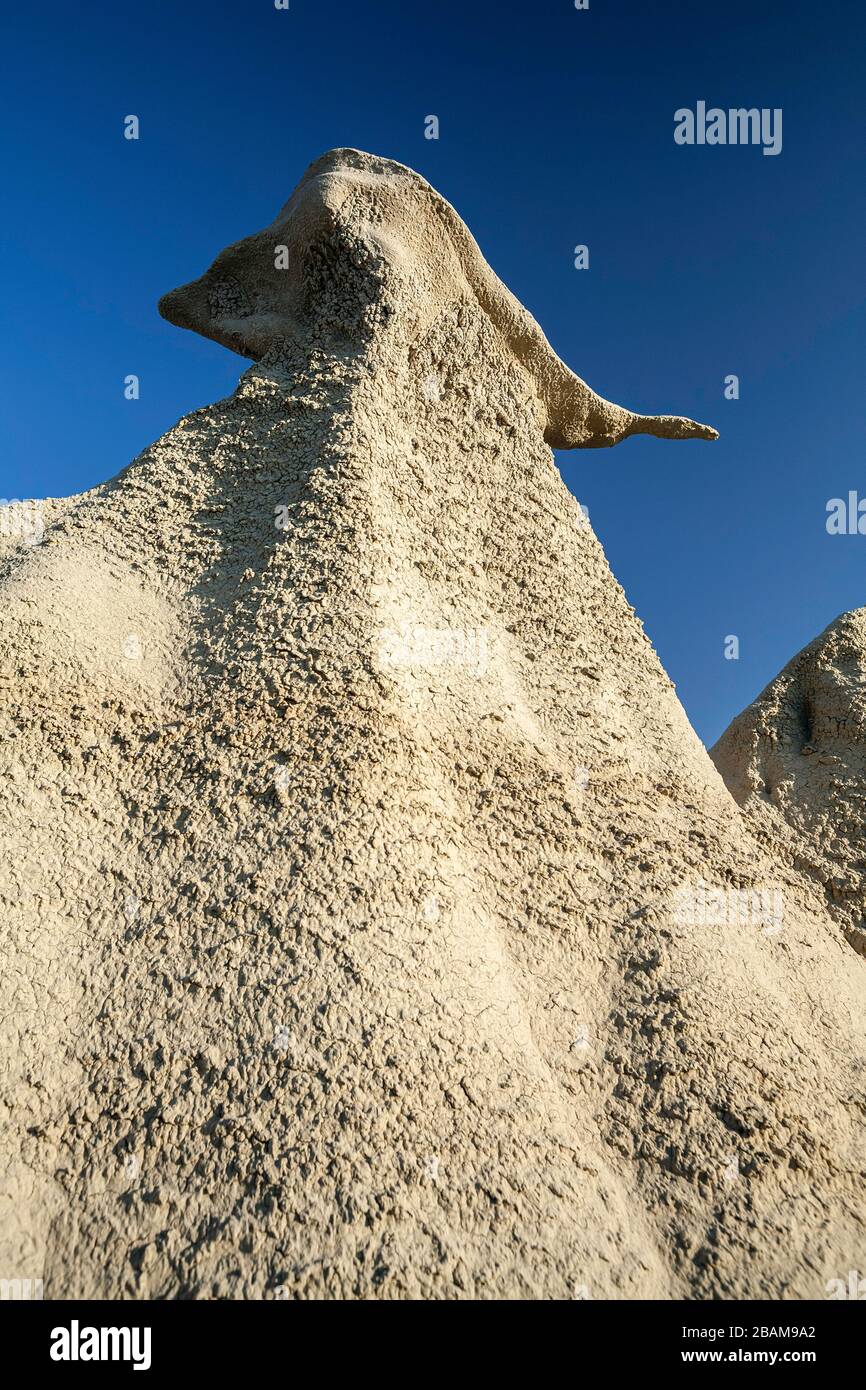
(375, 924)
(795, 761)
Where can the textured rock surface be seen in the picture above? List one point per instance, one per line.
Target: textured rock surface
(796, 762)
(352, 208)
(349, 820)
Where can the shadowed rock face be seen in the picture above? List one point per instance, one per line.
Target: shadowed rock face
(381, 218)
(795, 760)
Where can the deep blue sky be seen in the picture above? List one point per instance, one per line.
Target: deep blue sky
(556, 129)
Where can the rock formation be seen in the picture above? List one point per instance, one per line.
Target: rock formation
(795, 760)
(376, 924)
(380, 223)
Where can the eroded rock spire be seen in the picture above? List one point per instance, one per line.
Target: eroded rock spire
(413, 256)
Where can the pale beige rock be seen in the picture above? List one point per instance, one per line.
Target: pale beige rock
(796, 762)
(355, 939)
(380, 213)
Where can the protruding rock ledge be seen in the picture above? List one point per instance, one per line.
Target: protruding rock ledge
(383, 216)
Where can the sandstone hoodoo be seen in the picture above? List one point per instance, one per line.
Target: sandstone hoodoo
(376, 926)
(408, 249)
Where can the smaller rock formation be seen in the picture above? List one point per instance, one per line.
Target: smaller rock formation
(795, 760)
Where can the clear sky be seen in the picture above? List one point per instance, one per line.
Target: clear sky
(556, 129)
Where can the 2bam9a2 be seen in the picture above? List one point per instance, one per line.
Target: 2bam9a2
(790, 1332)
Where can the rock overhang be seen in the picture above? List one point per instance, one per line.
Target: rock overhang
(403, 238)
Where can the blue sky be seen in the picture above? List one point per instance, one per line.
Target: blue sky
(556, 128)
